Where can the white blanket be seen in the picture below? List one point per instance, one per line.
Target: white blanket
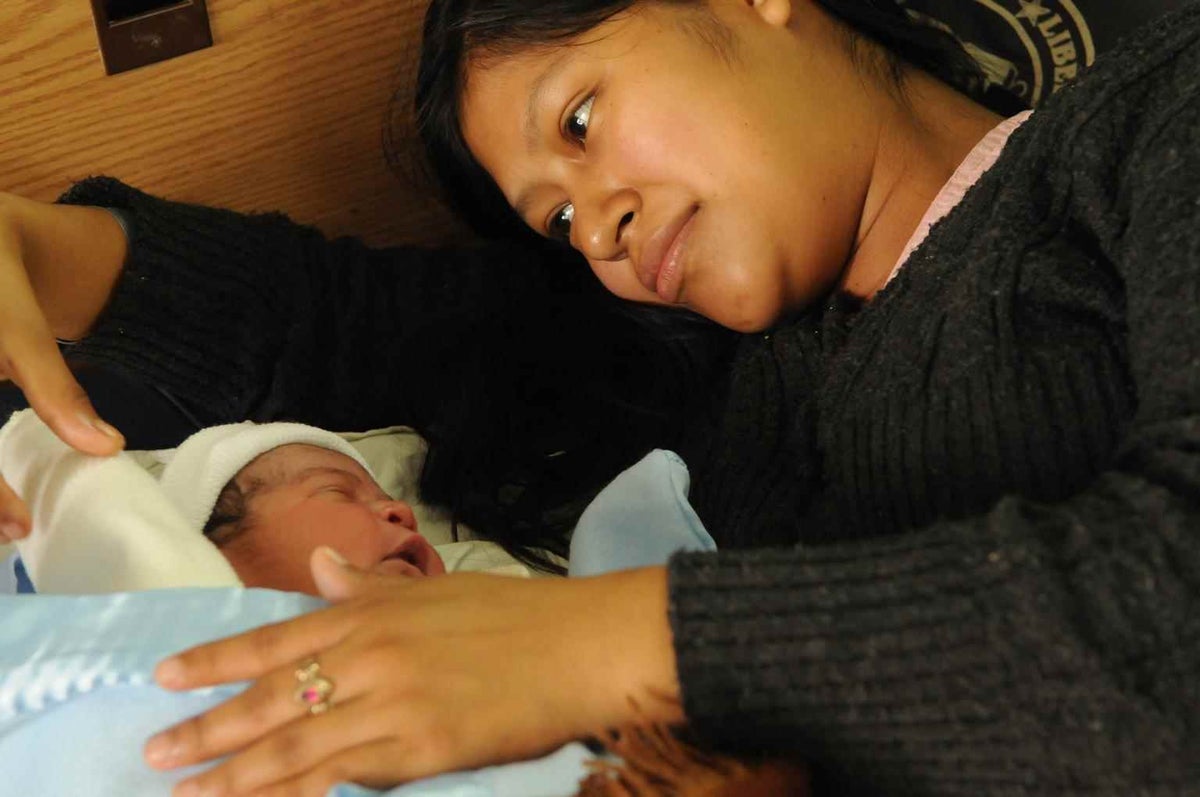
(100, 524)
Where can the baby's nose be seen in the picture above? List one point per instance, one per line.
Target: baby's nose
(398, 513)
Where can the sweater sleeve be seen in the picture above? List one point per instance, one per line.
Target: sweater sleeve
(1036, 649)
(253, 316)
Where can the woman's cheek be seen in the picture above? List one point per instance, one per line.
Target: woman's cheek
(656, 136)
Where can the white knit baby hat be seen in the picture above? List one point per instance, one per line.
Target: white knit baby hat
(205, 462)
(103, 524)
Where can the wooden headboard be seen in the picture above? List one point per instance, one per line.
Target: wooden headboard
(285, 111)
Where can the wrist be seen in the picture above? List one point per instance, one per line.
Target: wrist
(630, 657)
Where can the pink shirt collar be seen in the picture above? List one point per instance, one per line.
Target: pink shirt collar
(980, 159)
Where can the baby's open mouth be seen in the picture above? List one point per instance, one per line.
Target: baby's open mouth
(404, 556)
(410, 558)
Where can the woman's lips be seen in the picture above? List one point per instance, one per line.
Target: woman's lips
(668, 283)
(658, 269)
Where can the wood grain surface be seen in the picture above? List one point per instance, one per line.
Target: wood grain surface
(286, 111)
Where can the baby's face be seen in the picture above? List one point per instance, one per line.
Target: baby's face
(313, 497)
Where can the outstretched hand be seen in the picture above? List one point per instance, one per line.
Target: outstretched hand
(30, 358)
(430, 676)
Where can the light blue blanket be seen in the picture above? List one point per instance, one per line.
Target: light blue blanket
(77, 697)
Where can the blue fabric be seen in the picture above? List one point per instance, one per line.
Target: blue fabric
(78, 700)
(639, 519)
(24, 584)
(8, 576)
(556, 775)
(14, 580)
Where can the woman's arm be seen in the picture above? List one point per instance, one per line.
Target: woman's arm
(72, 256)
(57, 269)
(510, 350)
(1051, 644)
(252, 316)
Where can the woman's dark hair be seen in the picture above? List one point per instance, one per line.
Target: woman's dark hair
(456, 29)
(556, 396)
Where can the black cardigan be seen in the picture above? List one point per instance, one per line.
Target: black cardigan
(992, 470)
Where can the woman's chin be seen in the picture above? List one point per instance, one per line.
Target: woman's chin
(747, 318)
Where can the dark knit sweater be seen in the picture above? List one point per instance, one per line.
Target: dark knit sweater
(1023, 404)
(992, 470)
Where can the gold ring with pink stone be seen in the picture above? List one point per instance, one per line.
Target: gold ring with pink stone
(313, 690)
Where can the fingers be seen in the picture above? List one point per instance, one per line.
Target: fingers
(29, 356)
(338, 581)
(292, 751)
(266, 706)
(366, 765)
(254, 653)
(334, 577)
(14, 515)
(34, 363)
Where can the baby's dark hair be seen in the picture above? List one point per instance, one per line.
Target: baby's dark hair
(231, 516)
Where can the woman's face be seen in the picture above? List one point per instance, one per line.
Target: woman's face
(725, 177)
(313, 497)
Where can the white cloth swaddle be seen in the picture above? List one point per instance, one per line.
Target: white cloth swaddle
(82, 544)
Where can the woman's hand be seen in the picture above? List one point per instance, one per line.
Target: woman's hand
(430, 676)
(60, 258)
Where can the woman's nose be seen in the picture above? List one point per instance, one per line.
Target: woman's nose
(603, 223)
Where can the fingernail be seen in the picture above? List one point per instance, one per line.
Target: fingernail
(337, 558)
(13, 531)
(169, 672)
(105, 428)
(190, 788)
(160, 752)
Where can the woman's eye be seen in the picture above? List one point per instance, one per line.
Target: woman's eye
(577, 123)
(559, 225)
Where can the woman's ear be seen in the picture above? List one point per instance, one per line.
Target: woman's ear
(774, 12)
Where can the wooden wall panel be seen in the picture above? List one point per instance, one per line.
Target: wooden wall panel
(286, 111)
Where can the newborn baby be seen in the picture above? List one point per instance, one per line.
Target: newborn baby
(236, 505)
(268, 495)
(246, 505)
(291, 500)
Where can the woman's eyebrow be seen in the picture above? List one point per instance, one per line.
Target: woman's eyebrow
(537, 94)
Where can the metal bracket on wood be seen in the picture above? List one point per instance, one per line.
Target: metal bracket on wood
(135, 33)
